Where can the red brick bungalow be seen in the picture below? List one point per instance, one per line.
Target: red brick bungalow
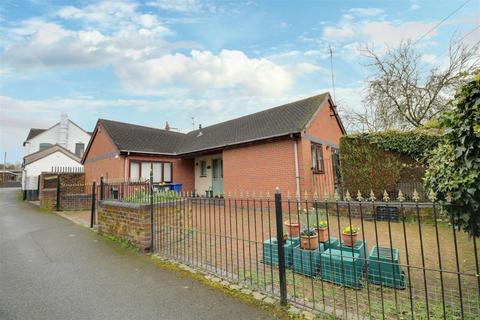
(293, 147)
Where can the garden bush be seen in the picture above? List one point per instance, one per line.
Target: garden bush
(379, 161)
(454, 166)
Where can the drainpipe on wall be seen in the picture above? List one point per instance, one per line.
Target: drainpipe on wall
(297, 175)
(126, 164)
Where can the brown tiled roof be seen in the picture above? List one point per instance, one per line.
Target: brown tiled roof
(279, 121)
(275, 122)
(135, 138)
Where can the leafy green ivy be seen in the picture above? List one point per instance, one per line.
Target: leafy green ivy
(454, 167)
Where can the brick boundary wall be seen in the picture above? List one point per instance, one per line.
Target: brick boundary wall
(127, 221)
(132, 222)
(74, 194)
(48, 198)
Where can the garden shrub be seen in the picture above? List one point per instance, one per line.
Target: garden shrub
(378, 161)
(454, 166)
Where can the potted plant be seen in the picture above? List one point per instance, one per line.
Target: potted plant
(309, 239)
(285, 237)
(293, 228)
(322, 230)
(350, 235)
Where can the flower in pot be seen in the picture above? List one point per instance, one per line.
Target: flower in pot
(322, 230)
(293, 228)
(350, 235)
(285, 237)
(309, 239)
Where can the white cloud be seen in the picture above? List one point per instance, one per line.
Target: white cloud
(414, 7)
(366, 12)
(429, 58)
(380, 33)
(109, 15)
(230, 69)
(344, 29)
(135, 45)
(184, 6)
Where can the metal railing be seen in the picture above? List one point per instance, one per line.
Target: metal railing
(407, 262)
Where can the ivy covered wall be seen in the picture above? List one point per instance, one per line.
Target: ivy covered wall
(382, 160)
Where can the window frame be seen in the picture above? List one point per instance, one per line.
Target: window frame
(203, 171)
(130, 169)
(319, 166)
(162, 173)
(82, 152)
(45, 145)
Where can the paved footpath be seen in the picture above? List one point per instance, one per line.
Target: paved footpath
(51, 268)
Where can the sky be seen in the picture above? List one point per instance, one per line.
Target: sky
(160, 60)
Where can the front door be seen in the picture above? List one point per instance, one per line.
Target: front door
(217, 177)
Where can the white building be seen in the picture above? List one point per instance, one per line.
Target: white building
(59, 147)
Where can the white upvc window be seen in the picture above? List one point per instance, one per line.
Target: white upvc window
(162, 171)
(134, 170)
(167, 172)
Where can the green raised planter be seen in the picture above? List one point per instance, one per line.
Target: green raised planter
(294, 241)
(342, 267)
(270, 251)
(384, 268)
(332, 243)
(361, 248)
(307, 262)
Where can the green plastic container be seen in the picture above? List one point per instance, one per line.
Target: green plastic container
(342, 267)
(383, 268)
(270, 251)
(307, 262)
(331, 243)
(361, 248)
(294, 241)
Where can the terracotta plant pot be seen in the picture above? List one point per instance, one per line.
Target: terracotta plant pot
(293, 228)
(309, 242)
(349, 239)
(322, 234)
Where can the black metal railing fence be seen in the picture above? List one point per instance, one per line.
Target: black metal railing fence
(407, 262)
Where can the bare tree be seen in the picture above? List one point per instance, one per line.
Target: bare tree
(402, 93)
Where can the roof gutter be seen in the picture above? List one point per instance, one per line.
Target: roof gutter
(297, 175)
(147, 152)
(287, 134)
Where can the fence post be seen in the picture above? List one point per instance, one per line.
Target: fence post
(102, 185)
(58, 193)
(281, 253)
(92, 216)
(151, 210)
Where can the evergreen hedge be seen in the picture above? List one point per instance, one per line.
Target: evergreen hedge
(378, 161)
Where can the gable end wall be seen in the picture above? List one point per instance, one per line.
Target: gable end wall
(100, 159)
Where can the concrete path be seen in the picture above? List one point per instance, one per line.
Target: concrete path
(52, 269)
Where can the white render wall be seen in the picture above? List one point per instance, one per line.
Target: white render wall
(34, 169)
(75, 135)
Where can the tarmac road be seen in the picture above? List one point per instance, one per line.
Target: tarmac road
(51, 268)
